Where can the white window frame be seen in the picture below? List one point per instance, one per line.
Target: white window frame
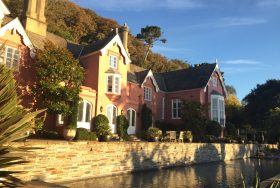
(60, 119)
(85, 102)
(175, 106)
(220, 109)
(115, 90)
(162, 108)
(214, 81)
(113, 61)
(112, 125)
(4, 56)
(147, 93)
(130, 120)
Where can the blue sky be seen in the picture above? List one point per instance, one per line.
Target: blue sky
(243, 35)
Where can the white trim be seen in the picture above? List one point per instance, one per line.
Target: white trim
(3, 10)
(172, 107)
(84, 124)
(149, 95)
(117, 40)
(15, 25)
(114, 76)
(113, 126)
(162, 107)
(220, 78)
(151, 75)
(131, 129)
(219, 98)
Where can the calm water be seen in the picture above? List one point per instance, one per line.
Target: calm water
(220, 174)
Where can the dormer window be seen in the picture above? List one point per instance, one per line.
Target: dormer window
(147, 94)
(113, 61)
(10, 57)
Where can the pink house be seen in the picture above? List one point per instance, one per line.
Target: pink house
(113, 85)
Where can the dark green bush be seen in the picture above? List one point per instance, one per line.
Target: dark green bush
(84, 134)
(102, 127)
(231, 129)
(210, 139)
(49, 134)
(146, 118)
(122, 126)
(213, 128)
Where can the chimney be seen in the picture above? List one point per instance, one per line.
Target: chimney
(124, 36)
(34, 18)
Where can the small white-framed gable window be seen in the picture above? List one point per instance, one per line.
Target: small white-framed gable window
(113, 61)
(176, 108)
(10, 57)
(218, 109)
(147, 94)
(214, 82)
(113, 83)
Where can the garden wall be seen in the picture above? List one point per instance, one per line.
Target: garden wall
(58, 161)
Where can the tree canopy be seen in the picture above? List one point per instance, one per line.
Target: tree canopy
(260, 101)
(82, 25)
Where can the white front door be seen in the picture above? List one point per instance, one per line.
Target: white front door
(84, 115)
(112, 117)
(131, 117)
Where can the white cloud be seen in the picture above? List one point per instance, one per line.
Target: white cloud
(235, 70)
(231, 22)
(140, 5)
(169, 49)
(242, 62)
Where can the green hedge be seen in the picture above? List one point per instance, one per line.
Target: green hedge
(84, 134)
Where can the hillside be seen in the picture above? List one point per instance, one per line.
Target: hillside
(81, 25)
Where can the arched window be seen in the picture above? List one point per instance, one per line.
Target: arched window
(84, 114)
(131, 117)
(111, 112)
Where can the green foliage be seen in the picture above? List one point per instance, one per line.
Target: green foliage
(260, 101)
(59, 77)
(188, 136)
(49, 135)
(15, 121)
(213, 128)
(195, 117)
(146, 118)
(84, 134)
(272, 123)
(150, 34)
(122, 126)
(74, 114)
(102, 127)
(231, 129)
(153, 132)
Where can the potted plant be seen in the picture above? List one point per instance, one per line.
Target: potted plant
(102, 128)
(69, 131)
(154, 134)
(188, 136)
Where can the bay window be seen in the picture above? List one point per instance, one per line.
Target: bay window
(218, 109)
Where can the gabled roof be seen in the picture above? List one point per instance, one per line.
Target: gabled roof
(16, 26)
(179, 80)
(102, 46)
(3, 10)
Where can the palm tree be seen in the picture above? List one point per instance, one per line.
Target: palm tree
(15, 121)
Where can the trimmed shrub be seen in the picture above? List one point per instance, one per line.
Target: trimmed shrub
(122, 126)
(213, 128)
(102, 127)
(146, 118)
(84, 134)
(154, 132)
(188, 136)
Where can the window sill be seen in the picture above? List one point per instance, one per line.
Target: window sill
(113, 96)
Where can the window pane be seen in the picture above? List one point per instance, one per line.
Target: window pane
(128, 116)
(109, 114)
(114, 115)
(133, 117)
(110, 84)
(16, 58)
(88, 112)
(117, 84)
(80, 111)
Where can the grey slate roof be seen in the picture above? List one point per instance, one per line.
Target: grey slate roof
(184, 79)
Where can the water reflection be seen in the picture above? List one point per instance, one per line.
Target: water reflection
(223, 174)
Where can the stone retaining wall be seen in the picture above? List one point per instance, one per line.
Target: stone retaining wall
(59, 161)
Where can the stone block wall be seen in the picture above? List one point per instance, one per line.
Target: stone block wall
(57, 161)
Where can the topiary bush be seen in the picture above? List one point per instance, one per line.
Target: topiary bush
(102, 127)
(146, 118)
(154, 132)
(84, 134)
(213, 128)
(122, 126)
